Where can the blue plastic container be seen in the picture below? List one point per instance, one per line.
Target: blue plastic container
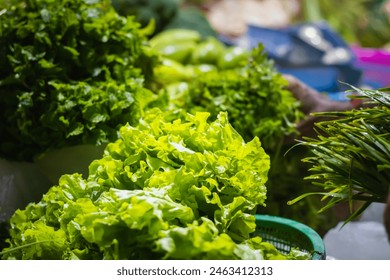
(312, 52)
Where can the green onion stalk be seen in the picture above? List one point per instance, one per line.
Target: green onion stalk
(350, 161)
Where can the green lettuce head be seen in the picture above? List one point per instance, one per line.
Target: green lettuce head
(164, 188)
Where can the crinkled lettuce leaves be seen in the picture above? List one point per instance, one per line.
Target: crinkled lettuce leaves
(181, 189)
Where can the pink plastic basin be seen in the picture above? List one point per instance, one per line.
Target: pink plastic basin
(375, 64)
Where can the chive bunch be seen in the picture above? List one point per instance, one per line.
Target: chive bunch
(350, 158)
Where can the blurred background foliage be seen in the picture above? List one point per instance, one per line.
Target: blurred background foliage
(363, 22)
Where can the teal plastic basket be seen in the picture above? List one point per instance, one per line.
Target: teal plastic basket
(286, 234)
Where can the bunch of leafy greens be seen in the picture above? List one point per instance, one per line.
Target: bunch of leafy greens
(71, 72)
(351, 156)
(252, 93)
(185, 189)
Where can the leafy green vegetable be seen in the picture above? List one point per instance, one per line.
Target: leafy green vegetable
(71, 72)
(163, 186)
(219, 78)
(351, 156)
(253, 95)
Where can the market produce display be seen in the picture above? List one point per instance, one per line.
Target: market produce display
(71, 72)
(202, 74)
(196, 139)
(185, 189)
(351, 156)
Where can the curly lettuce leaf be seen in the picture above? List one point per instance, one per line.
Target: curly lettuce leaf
(163, 185)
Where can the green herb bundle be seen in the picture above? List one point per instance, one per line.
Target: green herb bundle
(185, 189)
(253, 93)
(71, 72)
(351, 156)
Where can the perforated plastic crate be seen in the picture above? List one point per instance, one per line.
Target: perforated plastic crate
(286, 234)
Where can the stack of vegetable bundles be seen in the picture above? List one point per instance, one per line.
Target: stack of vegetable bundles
(177, 184)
